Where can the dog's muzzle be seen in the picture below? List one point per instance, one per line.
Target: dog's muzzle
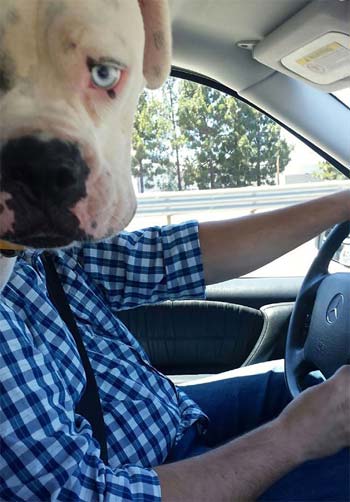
(43, 180)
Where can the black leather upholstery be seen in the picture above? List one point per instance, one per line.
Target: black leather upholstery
(193, 337)
(272, 340)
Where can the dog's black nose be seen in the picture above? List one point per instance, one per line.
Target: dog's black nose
(49, 173)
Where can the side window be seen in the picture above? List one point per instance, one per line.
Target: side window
(201, 154)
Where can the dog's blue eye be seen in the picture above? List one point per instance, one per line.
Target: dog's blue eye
(105, 76)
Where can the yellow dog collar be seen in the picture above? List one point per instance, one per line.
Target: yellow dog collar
(10, 249)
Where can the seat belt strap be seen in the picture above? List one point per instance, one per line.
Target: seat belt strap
(89, 405)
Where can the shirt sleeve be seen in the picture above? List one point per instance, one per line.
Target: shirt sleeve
(147, 266)
(47, 451)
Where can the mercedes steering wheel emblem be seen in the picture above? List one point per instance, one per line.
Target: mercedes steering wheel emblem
(334, 308)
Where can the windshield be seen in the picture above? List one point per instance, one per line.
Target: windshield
(344, 96)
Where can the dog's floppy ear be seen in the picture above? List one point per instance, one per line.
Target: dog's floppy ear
(157, 56)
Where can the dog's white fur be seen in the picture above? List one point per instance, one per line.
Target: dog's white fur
(46, 44)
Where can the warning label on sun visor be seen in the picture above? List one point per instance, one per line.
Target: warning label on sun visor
(328, 58)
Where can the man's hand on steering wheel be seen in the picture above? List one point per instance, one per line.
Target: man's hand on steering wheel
(318, 420)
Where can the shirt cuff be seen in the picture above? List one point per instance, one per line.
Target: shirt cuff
(183, 260)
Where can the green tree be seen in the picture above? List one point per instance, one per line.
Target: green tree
(229, 143)
(192, 136)
(150, 142)
(267, 152)
(211, 135)
(328, 172)
(171, 102)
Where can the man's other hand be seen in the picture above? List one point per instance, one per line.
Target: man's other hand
(318, 421)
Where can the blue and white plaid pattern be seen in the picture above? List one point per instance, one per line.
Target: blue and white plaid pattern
(47, 451)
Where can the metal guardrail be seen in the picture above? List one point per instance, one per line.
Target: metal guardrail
(251, 198)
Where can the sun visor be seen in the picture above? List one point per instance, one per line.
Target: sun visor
(313, 45)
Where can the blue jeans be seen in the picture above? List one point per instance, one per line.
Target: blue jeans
(245, 399)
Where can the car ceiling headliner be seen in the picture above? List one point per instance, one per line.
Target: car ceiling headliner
(206, 32)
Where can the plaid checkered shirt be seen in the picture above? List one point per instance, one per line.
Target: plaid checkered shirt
(47, 450)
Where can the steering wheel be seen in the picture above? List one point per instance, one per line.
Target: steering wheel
(319, 330)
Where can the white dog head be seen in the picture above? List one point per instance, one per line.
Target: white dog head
(71, 72)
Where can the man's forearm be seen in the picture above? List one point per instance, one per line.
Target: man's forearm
(232, 248)
(240, 470)
(314, 425)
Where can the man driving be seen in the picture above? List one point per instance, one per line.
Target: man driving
(71, 72)
(236, 438)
